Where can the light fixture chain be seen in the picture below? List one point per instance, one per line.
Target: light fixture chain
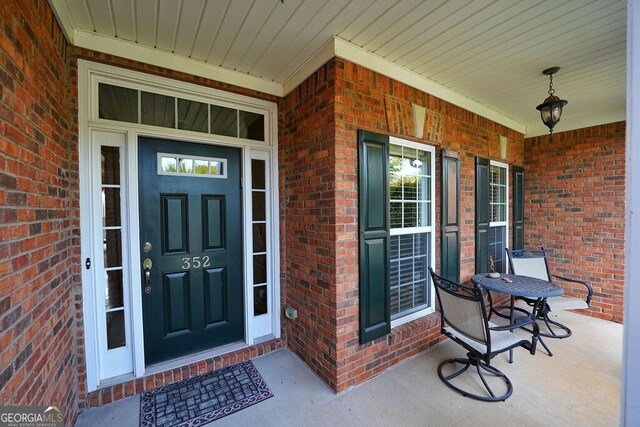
(551, 89)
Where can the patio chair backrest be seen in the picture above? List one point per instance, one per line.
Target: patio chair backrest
(529, 263)
(462, 308)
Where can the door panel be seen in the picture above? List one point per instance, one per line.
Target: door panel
(193, 223)
(177, 306)
(213, 222)
(174, 223)
(215, 291)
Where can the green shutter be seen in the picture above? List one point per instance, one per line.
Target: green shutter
(450, 258)
(482, 215)
(518, 208)
(373, 167)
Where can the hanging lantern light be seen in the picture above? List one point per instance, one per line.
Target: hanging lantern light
(551, 108)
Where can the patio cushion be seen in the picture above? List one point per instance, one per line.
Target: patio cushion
(499, 339)
(566, 303)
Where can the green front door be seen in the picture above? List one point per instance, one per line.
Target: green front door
(191, 247)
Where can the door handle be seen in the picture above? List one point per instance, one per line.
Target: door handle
(147, 264)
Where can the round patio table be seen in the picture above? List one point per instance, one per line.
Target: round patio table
(519, 286)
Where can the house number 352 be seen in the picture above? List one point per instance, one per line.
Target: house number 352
(195, 262)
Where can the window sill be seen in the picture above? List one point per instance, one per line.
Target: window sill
(411, 317)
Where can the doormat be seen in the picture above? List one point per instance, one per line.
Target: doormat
(199, 400)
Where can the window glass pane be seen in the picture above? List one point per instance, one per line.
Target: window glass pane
(395, 308)
(110, 207)
(424, 188)
(396, 215)
(425, 162)
(169, 164)
(497, 243)
(113, 289)
(410, 187)
(395, 159)
(260, 300)
(112, 247)
(410, 215)
(117, 103)
(115, 329)
(251, 126)
(201, 167)
(424, 214)
(257, 174)
(216, 168)
(395, 187)
(409, 257)
(259, 269)
(224, 121)
(185, 166)
(110, 165)
(193, 115)
(259, 212)
(259, 237)
(158, 110)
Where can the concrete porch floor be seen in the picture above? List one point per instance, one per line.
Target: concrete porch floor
(578, 386)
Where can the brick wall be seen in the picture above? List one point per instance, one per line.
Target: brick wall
(308, 164)
(39, 252)
(320, 168)
(574, 207)
(363, 101)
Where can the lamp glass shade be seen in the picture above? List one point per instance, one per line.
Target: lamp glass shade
(551, 110)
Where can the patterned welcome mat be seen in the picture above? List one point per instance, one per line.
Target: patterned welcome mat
(199, 400)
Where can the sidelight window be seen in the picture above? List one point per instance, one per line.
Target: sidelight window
(112, 247)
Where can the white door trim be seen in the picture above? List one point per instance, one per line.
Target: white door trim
(89, 74)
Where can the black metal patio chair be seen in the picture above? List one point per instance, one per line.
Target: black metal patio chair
(533, 263)
(464, 319)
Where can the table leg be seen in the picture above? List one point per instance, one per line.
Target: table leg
(511, 316)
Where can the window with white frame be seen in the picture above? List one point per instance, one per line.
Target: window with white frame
(498, 215)
(411, 216)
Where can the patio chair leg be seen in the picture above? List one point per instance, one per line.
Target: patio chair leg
(480, 365)
(545, 346)
(556, 325)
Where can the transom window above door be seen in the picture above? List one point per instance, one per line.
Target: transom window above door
(129, 105)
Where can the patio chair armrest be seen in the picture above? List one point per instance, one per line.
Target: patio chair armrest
(582, 282)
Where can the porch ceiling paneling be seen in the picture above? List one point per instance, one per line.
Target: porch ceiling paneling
(491, 52)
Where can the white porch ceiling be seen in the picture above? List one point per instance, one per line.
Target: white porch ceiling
(484, 55)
